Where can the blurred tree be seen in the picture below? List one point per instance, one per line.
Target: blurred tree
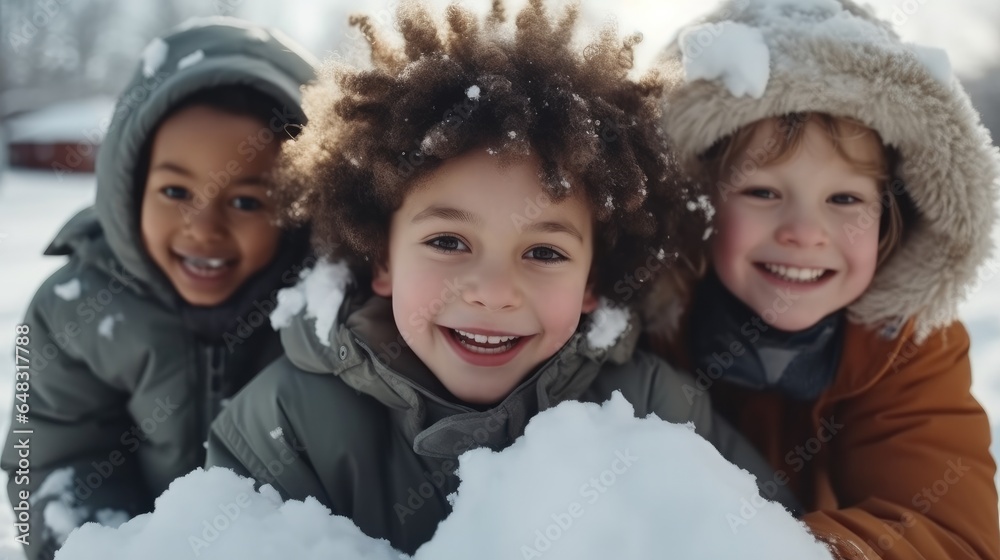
(53, 50)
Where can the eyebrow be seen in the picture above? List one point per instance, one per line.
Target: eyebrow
(454, 214)
(250, 181)
(554, 227)
(172, 167)
(447, 213)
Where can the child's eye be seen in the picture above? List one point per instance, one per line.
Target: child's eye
(176, 193)
(447, 244)
(844, 199)
(760, 192)
(247, 203)
(546, 255)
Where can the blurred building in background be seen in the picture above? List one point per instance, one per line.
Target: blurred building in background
(63, 136)
(63, 62)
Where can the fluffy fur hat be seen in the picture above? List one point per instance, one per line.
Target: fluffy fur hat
(754, 59)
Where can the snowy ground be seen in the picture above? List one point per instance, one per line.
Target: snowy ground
(34, 205)
(672, 491)
(32, 208)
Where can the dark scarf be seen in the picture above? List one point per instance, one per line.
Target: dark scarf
(256, 294)
(797, 364)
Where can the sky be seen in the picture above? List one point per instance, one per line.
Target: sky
(968, 29)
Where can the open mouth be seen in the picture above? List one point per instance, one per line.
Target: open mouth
(205, 267)
(797, 275)
(484, 344)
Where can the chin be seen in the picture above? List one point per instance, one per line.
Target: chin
(203, 300)
(472, 396)
(794, 324)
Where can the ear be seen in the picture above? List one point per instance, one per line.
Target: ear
(382, 281)
(590, 300)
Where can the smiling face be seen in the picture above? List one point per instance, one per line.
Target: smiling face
(487, 276)
(800, 229)
(206, 217)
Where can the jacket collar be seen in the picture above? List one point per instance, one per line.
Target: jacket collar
(368, 353)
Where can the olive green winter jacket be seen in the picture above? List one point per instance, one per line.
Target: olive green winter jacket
(358, 422)
(124, 376)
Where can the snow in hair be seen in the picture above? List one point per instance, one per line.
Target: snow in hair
(477, 84)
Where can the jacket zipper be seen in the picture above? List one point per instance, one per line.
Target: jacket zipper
(215, 371)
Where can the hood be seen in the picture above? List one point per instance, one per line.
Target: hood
(754, 59)
(364, 348)
(200, 54)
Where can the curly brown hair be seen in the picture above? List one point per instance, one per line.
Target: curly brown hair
(373, 133)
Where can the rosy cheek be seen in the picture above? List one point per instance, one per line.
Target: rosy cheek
(559, 311)
(728, 242)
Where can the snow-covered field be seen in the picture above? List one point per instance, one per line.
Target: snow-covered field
(33, 205)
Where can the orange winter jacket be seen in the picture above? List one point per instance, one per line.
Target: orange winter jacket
(892, 461)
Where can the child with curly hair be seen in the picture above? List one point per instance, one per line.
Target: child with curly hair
(855, 192)
(491, 193)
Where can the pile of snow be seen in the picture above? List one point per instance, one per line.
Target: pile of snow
(62, 512)
(586, 482)
(216, 514)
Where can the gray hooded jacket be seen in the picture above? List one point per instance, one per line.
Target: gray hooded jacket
(125, 377)
(361, 424)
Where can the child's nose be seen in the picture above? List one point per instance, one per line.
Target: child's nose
(493, 288)
(205, 224)
(802, 230)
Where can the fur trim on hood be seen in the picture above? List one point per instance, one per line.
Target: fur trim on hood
(766, 58)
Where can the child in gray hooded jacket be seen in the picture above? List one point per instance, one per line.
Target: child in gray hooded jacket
(136, 343)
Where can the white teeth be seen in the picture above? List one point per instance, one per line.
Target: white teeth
(795, 274)
(483, 339)
(205, 263)
(481, 350)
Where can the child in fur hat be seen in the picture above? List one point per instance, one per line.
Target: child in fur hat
(853, 192)
(487, 190)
